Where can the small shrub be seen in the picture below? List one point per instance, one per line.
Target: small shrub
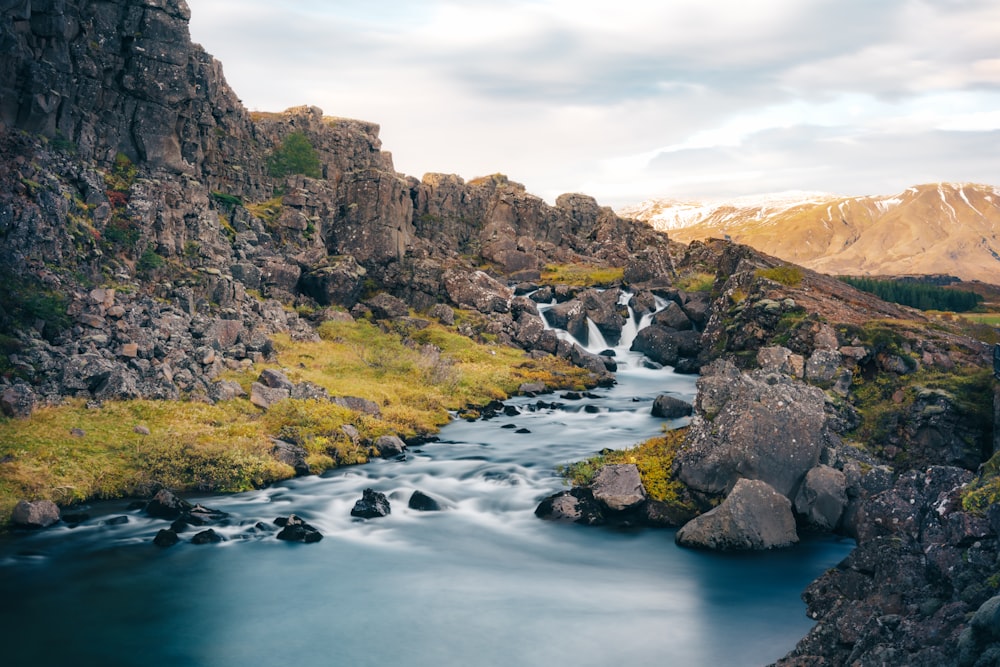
(295, 155)
(227, 200)
(150, 260)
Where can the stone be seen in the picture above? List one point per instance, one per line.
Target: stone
(206, 537)
(275, 379)
(532, 388)
(17, 401)
(264, 397)
(291, 454)
(373, 504)
(294, 529)
(673, 316)
(389, 446)
(669, 407)
(822, 498)
(574, 506)
(166, 537)
(166, 505)
(140, 429)
(35, 514)
(422, 502)
(362, 405)
(618, 487)
(753, 517)
(823, 366)
(387, 307)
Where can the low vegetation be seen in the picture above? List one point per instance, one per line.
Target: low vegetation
(695, 282)
(787, 275)
(418, 377)
(295, 155)
(582, 275)
(655, 460)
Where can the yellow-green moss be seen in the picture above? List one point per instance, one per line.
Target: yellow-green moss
(654, 458)
(582, 275)
(785, 274)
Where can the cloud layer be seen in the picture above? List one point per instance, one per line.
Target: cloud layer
(629, 100)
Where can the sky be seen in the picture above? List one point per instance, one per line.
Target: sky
(628, 100)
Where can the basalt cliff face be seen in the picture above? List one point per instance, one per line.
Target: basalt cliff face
(131, 166)
(147, 247)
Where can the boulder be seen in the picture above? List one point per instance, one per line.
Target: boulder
(478, 291)
(422, 502)
(668, 407)
(294, 529)
(822, 497)
(753, 517)
(386, 307)
(35, 514)
(291, 454)
(166, 538)
(569, 316)
(206, 537)
(389, 446)
(673, 317)
(340, 283)
(574, 506)
(362, 405)
(274, 379)
(17, 401)
(753, 425)
(618, 487)
(166, 505)
(372, 505)
(657, 343)
(264, 397)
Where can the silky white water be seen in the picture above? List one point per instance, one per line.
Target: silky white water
(481, 582)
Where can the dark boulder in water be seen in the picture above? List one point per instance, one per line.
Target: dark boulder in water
(422, 502)
(574, 506)
(294, 529)
(372, 505)
(166, 538)
(206, 537)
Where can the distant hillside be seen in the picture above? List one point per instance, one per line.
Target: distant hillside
(928, 229)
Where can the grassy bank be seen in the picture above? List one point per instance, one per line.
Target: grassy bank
(417, 376)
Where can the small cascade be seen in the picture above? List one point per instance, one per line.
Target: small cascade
(595, 339)
(596, 343)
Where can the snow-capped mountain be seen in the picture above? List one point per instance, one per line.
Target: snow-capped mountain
(927, 229)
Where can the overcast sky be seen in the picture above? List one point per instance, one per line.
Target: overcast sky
(628, 100)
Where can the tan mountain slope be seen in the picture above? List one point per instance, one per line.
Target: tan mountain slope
(928, 229)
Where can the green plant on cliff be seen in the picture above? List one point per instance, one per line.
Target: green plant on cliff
(295, 155)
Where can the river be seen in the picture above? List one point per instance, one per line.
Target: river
(481, 582)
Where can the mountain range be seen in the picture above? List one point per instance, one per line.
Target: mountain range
(938, 228)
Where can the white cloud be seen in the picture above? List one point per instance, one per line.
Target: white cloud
(628, 100)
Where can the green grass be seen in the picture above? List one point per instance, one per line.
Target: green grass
(696, 282)
(417, 378)
(582, 275)
(785, 274)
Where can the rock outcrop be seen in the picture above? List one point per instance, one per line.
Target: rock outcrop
(754, 425)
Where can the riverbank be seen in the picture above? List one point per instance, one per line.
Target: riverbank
(412, 375)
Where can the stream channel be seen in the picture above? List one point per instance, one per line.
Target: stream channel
(482, 582)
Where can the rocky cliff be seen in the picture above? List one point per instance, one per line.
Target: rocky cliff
(131, 167)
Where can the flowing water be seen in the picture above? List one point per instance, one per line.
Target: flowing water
(481, 582)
